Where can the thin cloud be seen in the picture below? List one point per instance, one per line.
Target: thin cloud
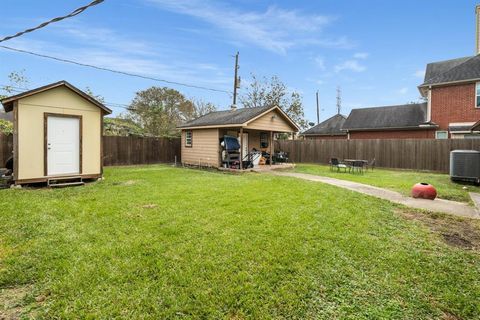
(320, 63)
(403, 91)
(419, 73)
(274, 29)
(105, 48)
(350, 65)
(361, 55)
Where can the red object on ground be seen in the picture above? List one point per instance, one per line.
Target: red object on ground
(424, 190)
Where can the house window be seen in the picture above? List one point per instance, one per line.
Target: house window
(441, 134)
(188, 138)
(263, 140)
(477, 95)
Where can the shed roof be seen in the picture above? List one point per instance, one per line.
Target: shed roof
(8, 102)
(238, 117)
(455, 70)
(330, 127)
(407, 116)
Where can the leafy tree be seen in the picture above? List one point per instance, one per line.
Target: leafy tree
(17, 81)
(269, 92)
(201, 108)
(121, 127)
(97, 97)
(6, 126)
(158, 111)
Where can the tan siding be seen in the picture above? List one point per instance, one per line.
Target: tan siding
(253, 140)
(31, 130)
(204, 149)
(270, 123)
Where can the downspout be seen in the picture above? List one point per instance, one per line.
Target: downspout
(429, 104)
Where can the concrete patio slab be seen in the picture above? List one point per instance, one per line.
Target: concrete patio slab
(437, 205)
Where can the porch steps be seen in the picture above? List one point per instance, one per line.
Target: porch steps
(65, 182)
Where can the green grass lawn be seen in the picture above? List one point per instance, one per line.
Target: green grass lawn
(161, 242)
(397, 180)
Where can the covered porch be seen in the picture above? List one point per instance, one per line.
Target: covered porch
(253, 143)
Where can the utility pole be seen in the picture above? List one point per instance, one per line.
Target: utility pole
(236, 82)
(318, 110)
(339, 100)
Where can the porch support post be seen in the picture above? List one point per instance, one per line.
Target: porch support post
(271, 147)
(241, 148)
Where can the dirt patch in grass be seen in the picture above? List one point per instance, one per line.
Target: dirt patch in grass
(124, 183)
(12, 302)
(149, 206)
(458, 233)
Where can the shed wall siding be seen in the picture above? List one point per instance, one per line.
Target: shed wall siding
(267, 122)
(204, 149)
(31, 130)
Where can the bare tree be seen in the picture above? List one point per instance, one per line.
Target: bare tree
(269, 92)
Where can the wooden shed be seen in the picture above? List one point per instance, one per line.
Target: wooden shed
(254, 127)
(57, 134)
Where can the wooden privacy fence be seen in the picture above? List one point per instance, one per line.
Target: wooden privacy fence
(6, 147)
(416, 154)
(120, 150)
(139, 150)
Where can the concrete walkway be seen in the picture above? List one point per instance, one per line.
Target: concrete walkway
(437, 205)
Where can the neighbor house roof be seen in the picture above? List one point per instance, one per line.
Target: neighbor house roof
(9, 101)
(330, 127)
(456, 70)
(409, 116)
(238, 117)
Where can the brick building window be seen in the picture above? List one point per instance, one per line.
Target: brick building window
(477, 99)
(441, 134)
(188, 138)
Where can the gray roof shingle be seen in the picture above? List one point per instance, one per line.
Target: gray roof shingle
(462, 69)
(238, 116)
(390, 117)
(330, 127)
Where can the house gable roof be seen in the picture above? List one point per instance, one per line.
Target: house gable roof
(408, 116)
(235, 118)
(330, 127)
(9, 101)
(456, 70)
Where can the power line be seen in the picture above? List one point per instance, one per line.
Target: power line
(44, 24)
(114, 71)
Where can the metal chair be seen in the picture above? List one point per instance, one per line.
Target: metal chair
(371, 165)
(358, 166)
(334, 163)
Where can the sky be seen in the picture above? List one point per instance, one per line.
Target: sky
(375, 50)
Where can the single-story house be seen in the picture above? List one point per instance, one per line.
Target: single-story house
(254, 127)
(57, 134)
(390, 122)
(328, 129)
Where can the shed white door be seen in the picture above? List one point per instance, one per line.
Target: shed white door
(63, 145)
